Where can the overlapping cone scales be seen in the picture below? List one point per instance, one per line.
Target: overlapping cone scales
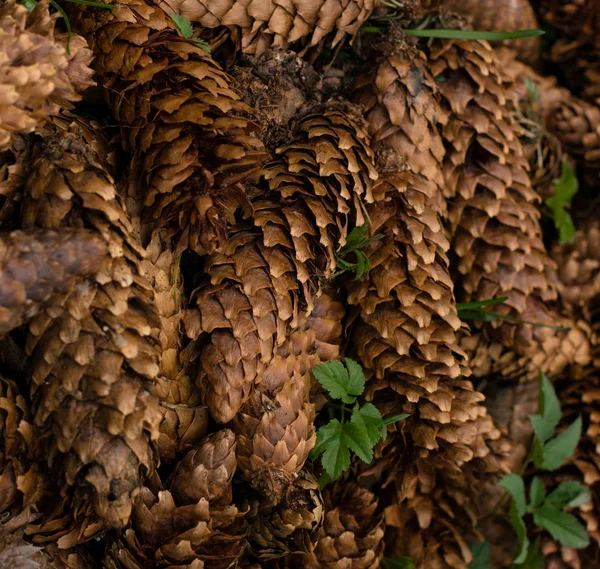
(399, 100)
(200, 528)
(190, 137)
(503, 16)
(20, 484)
(94, 351)
(257, 25)
(495, 224)
(37, 76)
(184, 419)
(352, 532)
(36, 265)
(292, 526)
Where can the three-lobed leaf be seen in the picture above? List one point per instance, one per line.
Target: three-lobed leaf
(332, 442)
(562, 527)
(341, 382)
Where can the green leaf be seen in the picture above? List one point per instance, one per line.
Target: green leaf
(565, 188)
(341, 382)
(514, 485)
(369, 418)
(395, 418)
(398, 563)
(518, 525)
(561, 447)
(549, 412)
(94, 4)
(480, 303)
(479, 315)
(562, 527)
(473, 34)
(183, 25)
(537, 493)
(360, 435)
(29, 4)
(481, 555)
(569, 494)
(334, 446)
(324, 479)
(325, 434)
(534, 559)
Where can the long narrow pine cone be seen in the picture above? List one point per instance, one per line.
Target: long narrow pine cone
(496, 235)
(255, 311)
(94, 351)
(193, 523)
(352, 532)
(184, 418)
(190, 138)
(258, 25)
(35, 266)
(38, 75)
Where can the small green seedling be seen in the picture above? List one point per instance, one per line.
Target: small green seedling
(565, 189)
(366, 427)
(547, 453)
(184, 26)
(351, 256)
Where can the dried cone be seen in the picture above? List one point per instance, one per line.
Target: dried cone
(189, 135)
(184, 418)
(38, 76)
(290, 527)
(193, 523)
(248, 317)
(352, 532)
(36, 266)
(94, 351)
(579, 264)
(20, 481)
(504, 16)
(262, 24)
(494, 221)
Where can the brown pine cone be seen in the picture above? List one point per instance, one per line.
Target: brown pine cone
(257, 28)
(190, 137)
(494, 220)
(39, 77)
(579, 264)
(290, 527)
(94, 350)
(352, 532)
(37, 265)
(188, 525)
(184, 419)
(21, 484)
(503, 16)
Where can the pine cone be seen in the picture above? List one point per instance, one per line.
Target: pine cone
(20, 482)
(190, 137)
(259, 25)
(578, 264)
(38, 76)
(193, 523)
(35, 266)
(352, 533)
(494, 221)
(290, 527)
(505, 16)
(574, 17)
(184, 419)
(94, 352)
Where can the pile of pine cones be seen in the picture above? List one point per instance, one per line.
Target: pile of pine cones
(171, 215)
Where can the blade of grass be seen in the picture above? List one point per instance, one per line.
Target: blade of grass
(67, 24)
(473, 34)
(480, 303)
